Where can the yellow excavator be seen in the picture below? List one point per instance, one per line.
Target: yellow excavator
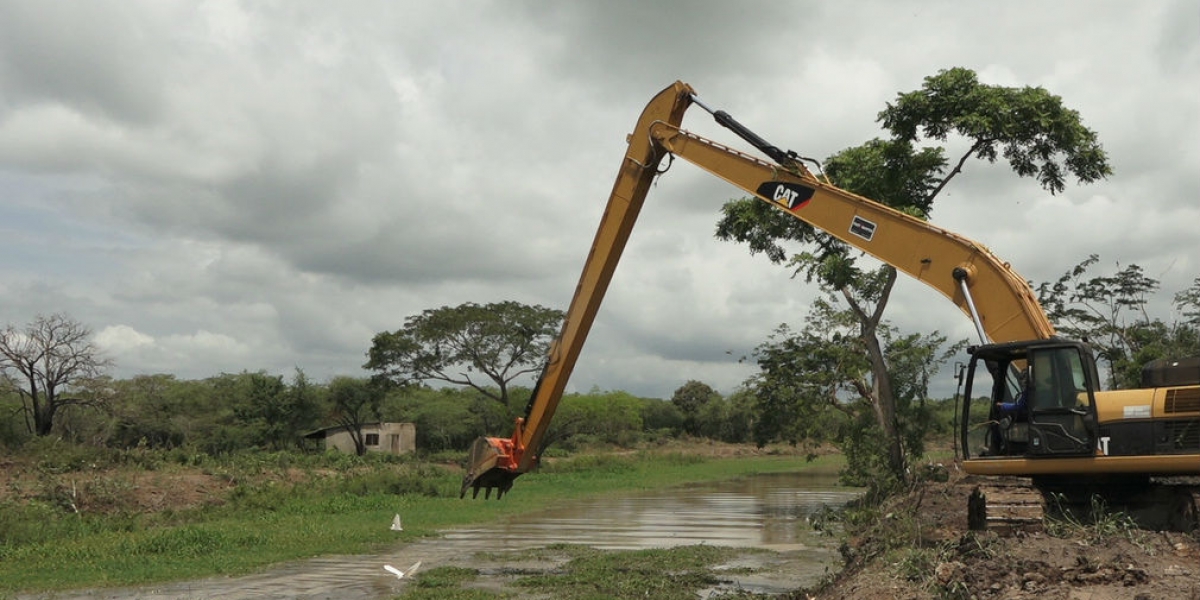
(1039, 414)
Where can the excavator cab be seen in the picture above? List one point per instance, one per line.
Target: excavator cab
(1030, 399)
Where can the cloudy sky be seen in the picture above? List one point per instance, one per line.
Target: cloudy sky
(225, 186)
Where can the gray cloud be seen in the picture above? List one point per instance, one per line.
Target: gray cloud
(222, 187)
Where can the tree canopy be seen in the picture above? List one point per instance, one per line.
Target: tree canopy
(475, 345)
(689, 399)
(1029, 127)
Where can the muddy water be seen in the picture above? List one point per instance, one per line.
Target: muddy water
(755, 512)
(766, 511)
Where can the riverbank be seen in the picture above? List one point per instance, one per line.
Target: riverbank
(123, 525)
(917, 547)
(103, 526)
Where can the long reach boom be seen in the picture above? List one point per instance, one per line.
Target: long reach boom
(998, 300)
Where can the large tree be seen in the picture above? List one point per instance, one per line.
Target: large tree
(479, 346)
(1028, 127)
(52, 364)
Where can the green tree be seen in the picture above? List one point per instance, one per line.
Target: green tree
(446, 418)
(355, 402)
(202, 415)
(1030, 128)
(275, 414)
(1110, 313)
(264, 409)
(607, 417)
(51, 364)
(1187, 302)
(824, 368)
(303, 410)
(727, 419)
(161, 411)
(661, 417)
(230, 424)
(147, 412)
(13, 432)
(484, 347)
(689, 399)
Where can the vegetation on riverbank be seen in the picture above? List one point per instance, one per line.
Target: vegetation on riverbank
(917, 545)
(71, 525)
(588, 574)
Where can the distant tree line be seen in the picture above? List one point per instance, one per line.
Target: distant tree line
(53, 383)
(232, 412)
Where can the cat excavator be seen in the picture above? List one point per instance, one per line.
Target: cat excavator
(1033, 408)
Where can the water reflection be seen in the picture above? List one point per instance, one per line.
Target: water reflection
(757, 512)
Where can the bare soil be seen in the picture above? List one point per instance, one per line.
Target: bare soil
(945, 560)
(112, 490)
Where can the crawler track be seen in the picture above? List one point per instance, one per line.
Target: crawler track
(1005, 505)
(1009, 504)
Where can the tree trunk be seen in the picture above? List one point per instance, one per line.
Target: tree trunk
(43, 424)
(885, 404)
(882, 395)
(43, 411)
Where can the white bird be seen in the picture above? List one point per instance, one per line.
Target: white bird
(400, 574)
(396, 523)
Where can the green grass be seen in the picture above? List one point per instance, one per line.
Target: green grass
(678, 573)
(657, 574)
(445, 583)
(265, 523)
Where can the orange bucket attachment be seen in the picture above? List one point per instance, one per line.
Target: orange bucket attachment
(491, 464)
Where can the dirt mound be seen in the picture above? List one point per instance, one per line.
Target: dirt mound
(920, 548)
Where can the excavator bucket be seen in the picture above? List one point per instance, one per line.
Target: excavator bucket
(490, 466)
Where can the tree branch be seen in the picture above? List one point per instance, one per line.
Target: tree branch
(958, 167)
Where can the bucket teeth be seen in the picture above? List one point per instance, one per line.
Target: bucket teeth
(495, 478)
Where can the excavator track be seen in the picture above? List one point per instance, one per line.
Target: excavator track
(1009, 504)
(1005, 505)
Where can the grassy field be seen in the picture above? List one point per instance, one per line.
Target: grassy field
(278, 511)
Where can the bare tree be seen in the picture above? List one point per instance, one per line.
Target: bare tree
(51, 364)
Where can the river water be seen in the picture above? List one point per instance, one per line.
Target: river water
(764, 511)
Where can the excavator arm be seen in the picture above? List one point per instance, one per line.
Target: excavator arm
(998, 300)
(493, 463)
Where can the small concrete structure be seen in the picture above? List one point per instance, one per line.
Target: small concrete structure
(393, 438)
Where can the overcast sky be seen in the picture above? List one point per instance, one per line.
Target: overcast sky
(225, 186)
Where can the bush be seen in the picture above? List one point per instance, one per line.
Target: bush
(605, 418)
(593, 463)
(661, 417)
(55, 455)
(447, 418)
(13, 433)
